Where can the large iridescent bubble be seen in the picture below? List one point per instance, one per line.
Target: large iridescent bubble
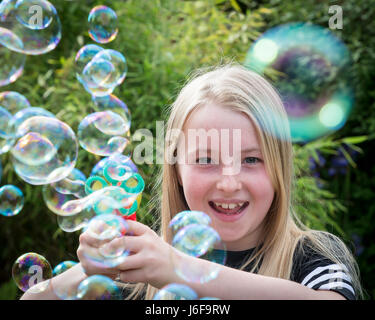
(28, 113)
(114, 104)
(176, 291)
(314, 82)
(32, 272)
(98, 287)
(11, 200)
(13, 101)
(199, 241)
(99, 70)
(35, 22)
(103, 133)
(55, 195)
(83, 57)
(12, 63)
(75, 222)
(185, 218)
(103, 24)
(104, 72)
(45, 151)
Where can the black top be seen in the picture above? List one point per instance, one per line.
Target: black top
(309, 268)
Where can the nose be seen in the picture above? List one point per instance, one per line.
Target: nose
(229, 183)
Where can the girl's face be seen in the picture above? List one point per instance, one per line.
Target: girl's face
(233, 189)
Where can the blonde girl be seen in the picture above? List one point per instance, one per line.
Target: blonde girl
(247, 194)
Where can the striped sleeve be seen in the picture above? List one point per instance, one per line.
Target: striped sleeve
(330, 277)
(319, 273)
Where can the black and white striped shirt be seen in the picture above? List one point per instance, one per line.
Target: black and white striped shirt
(309, 268)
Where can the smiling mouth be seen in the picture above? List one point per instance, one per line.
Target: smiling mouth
(228, 211)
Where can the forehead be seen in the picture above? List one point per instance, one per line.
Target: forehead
(217, 117)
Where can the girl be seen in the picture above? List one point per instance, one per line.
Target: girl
(247, 194)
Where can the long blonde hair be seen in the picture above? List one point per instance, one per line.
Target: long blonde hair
(242, 90)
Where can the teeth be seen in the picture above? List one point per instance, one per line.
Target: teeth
(229, 205)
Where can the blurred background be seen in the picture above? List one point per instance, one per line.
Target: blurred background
(163, 41)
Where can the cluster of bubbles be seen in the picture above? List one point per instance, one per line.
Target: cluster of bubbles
(27, 27)
(193, 236)
(33, 273)
(43, 150)
(314, 82)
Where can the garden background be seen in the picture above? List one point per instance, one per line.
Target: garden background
(163, 41)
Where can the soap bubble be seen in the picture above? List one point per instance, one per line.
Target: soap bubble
(75, 222)
(30, 112)
(24, 9)
(11, 200)
(185, 218)
(38, 149)
(98, 287)
(104, 174)
(103, 201)
(114, 104)
(101, 133)
(109, 229)
(55, 195)
(13, 101)
(116, 158)
(7, 132)
(103, 24)
(34, 22)
(83, 57)
(175, 291)
(314, 81)
(30, 272)
(45, 152)
(104, 72)
(200, 241)
(63, 266)
(12, 63)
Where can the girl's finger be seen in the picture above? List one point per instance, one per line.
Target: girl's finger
(134, 276)
(131, 243)
(134, 261)
(137, 228)
(88, 240)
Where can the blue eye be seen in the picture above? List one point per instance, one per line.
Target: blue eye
(252, 160)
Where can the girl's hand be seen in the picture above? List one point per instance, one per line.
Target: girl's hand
(89, 247)
(150, 261)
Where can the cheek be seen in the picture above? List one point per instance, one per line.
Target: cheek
(195, 187)
(261, 189)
